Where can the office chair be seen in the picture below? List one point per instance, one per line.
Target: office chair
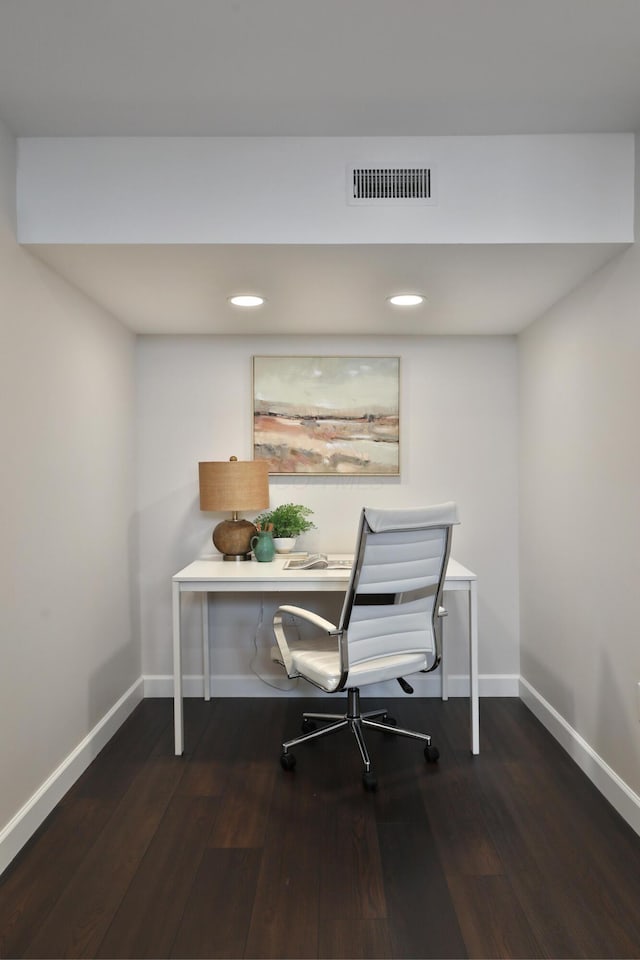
(389, 626)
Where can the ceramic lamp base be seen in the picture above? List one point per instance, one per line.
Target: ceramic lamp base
(233, 539)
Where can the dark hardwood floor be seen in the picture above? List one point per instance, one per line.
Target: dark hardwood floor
(220, 853)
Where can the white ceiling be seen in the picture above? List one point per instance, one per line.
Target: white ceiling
(323, 68)
(319, 67)
(471, 289)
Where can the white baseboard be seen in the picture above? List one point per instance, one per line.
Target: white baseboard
(249, 685)
(618, 793)
(27, 820)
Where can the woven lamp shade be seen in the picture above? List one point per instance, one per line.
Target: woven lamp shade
(234, 485)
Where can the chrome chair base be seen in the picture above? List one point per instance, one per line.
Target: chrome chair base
(355, 720)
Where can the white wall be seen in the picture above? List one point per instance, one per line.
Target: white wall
(509, 189)
(68, 649)
(580, 512)
(458, 441)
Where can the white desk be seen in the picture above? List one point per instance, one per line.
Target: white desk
(218, 576)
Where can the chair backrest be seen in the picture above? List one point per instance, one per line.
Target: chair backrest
(396, 583)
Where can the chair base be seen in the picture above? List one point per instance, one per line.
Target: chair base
(355, 720)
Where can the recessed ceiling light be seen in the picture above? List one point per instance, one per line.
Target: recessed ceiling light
(406, 299)
(246, 300)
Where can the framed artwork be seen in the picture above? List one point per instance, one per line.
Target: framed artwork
(327, 415)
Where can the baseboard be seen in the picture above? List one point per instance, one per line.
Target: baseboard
(27, 820)
(249, 685)
(618, 793)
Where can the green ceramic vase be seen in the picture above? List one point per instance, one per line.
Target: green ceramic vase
(263, 546)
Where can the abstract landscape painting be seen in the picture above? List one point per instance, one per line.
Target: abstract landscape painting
(327, 415)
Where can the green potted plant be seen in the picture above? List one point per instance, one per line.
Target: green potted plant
(286, 522)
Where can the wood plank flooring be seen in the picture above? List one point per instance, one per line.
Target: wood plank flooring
(220, 853)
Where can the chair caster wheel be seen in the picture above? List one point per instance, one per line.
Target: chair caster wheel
(369, 781)
(287, 761)
(432, 754)
(390, 721)
(308, 726)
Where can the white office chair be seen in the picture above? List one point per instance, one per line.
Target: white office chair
(389, 626)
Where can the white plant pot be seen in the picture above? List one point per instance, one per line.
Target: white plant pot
(284, 544)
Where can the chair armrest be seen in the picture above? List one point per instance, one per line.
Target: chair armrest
(281, 639)
(307, 615)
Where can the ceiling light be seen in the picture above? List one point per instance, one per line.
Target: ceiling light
(406, 299)
(246, 300)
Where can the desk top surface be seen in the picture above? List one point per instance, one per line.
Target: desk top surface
(212, 569)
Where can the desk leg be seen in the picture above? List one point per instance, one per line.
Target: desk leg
(177, 673)
(444, 680)
(206, 664)
(473, 667)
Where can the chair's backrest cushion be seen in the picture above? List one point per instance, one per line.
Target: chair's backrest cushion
(396, 581)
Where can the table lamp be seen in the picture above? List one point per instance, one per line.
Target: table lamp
(234, 485)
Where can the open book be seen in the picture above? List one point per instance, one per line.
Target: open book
(317, 561)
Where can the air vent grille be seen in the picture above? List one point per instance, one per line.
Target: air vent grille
(394, 184)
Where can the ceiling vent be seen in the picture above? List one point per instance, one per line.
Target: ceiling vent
(390, 185)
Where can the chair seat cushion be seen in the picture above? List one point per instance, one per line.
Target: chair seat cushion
(323, 667)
